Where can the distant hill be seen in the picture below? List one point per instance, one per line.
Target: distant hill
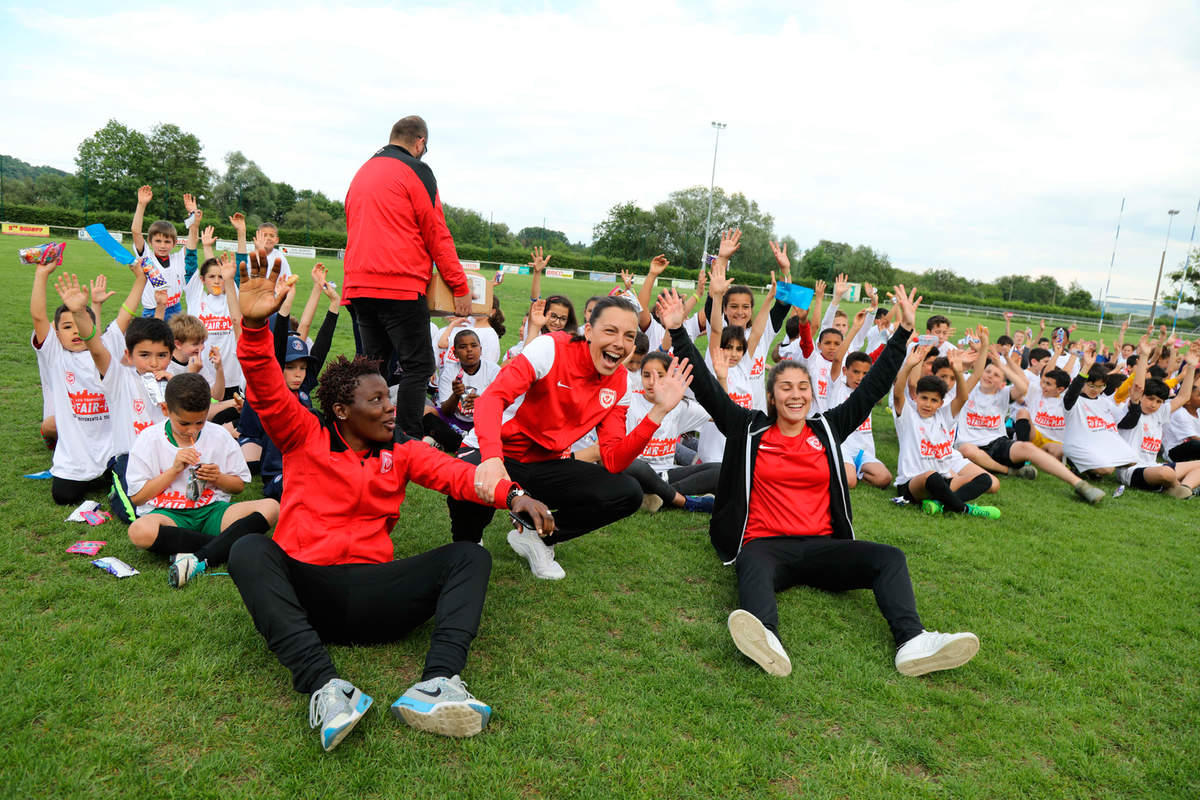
(14, 167)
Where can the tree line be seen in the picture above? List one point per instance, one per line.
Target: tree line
(115, 160)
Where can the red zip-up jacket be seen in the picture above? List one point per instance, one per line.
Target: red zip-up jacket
(340, 506)
(548, 397)
(395, 230)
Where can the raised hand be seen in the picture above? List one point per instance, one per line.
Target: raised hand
(214, 357)
(189, 203)
(144, 195)
(984, 337)
(160, 298)
(781, 258)
(99, 289)
(539, 261)
(1086, 363)
(658, 264)
(260, 239)
(872, 293)
(73, 295)
(840, 287)
(537, 315)
(318, 274)
(669, 309)
(261, 291)
(238, 221)
(907, 303)
(731, 240)
(819, 288)
(916, 355)
(228, 269)
(955, 357)
(701, 282)
(208, 236)
(860, 317)
(627, 279)
(719, 284)
(670, 389)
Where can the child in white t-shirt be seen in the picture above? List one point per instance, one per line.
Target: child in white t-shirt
(461, 381)
(1042, 419)
(726, 356)
(79, 410)
(692, 487)
(1144, 433)
(858, 449)
(929, 470)
(982, 437)
(211, 295)
(157, 247)
(181, 474)
(1091, 440)
(825, 363)
(266, 237)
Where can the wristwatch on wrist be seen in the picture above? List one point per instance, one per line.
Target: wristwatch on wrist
(513, 494)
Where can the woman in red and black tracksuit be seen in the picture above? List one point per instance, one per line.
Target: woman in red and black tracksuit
(782, 513)
(329, 573)
(559, 388)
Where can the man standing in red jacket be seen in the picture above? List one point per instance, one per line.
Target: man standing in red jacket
(395, 233)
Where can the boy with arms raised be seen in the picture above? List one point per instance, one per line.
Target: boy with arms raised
(78, 411)
(157, 247)
(858, 449)
(181, 474)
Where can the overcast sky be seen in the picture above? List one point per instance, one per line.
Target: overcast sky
(986, 138)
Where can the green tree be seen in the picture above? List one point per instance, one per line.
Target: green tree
(245, 187)
(112, 163)
(470, 227)
(1188, 276)
(623, 234)
(537, 235)
(1077, 297)
(176, 166)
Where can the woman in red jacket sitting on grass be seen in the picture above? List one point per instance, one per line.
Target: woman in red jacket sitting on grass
(782, 513)
(329, 573)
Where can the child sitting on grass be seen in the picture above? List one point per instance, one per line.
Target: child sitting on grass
(78, 412)
(181, 474)
(1144, 432)
(690, 487)
(981, 435)
(1042, 420)
(858, 449)
(929, 470)
(462, 380)
(1091, 440)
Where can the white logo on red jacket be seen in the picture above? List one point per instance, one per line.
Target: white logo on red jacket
(607, 397)
(385, 461)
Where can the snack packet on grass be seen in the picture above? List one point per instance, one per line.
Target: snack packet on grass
(115, 566)
(87, 548)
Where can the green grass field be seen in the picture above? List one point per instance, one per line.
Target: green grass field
(620, 681)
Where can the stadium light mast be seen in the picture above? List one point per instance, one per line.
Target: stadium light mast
(1154, 306)
(719, 126)
(1111, 262)
(1187, 262)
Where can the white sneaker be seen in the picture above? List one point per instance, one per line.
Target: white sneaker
(529, 546)
(930, 651)
(759, 644)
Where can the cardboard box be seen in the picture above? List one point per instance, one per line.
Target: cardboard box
(441, 299)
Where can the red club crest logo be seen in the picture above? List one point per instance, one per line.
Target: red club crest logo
(139, 407)
(70, 376)
(385, 461)
(607, 397)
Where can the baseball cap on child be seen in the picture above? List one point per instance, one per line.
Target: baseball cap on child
(296, 348)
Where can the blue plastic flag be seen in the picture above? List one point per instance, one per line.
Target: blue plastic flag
(790, 293)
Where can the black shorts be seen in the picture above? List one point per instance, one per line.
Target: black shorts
(1137, 480)
(998, 450)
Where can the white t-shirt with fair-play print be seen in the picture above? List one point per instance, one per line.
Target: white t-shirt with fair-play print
(213, 311)
(1047, 414)
(172, 273)
(80, 408)
(1091, 440)
(820, 371)
(863, 437)
(981, 420)
(740, 387)
(1146, 437)
(926, 444)
(154, 452)
(659, 452)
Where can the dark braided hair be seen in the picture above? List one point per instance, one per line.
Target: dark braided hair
(339, 380)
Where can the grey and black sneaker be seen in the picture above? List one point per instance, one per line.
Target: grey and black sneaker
(1089, 493)
(443, 706)
(336, 708)
(1028, 472)
(184, 567)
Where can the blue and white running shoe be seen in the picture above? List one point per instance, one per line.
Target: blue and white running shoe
(443, 706)
(336, 708)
